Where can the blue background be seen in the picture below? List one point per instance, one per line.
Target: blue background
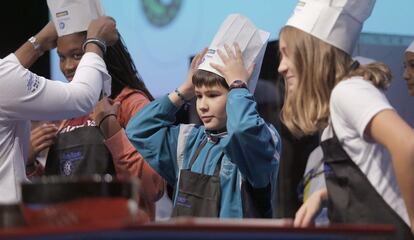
(162, 54)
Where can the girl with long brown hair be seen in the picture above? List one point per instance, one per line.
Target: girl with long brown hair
(330, 93)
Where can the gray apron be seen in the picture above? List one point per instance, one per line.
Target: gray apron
(198, 194)
(352, 198)
(79, 152)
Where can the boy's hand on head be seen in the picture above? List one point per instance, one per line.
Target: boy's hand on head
(233, 68)
(187, 88)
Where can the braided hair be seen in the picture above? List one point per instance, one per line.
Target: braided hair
(123, 70)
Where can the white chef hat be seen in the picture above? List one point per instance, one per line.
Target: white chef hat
(252, 41)
(364, 60)
(337, 22)
(71, 16)
(410, 48)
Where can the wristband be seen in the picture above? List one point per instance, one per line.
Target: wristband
(100, 43)
(105, 117)
(237, 84)
(180, 95)
(36, 46)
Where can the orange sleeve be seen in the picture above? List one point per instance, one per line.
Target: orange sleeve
(127, 161)
(131, 103)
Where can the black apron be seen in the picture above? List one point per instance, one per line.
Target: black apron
(352, 198)
(198, 194)
(79, 152)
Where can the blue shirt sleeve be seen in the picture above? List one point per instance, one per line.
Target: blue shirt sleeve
(252, 145)
(153, 134)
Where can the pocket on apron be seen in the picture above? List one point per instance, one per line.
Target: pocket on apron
(198, 195)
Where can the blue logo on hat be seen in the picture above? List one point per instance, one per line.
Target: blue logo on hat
(61, 25)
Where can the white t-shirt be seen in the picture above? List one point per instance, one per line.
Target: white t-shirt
(25, 96)
(354, 102)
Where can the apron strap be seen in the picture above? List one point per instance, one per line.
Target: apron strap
(330, 149)
(197, 152)
(218, 166)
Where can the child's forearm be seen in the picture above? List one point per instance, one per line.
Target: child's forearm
(181, 95)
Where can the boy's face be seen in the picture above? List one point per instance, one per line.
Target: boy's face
(211, 106)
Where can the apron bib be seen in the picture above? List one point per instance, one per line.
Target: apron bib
(79, 152)
(198, 194)
(352, 198)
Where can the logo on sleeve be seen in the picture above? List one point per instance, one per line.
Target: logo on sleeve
(33, 82)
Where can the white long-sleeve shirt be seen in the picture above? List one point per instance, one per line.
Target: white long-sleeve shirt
(24, 96)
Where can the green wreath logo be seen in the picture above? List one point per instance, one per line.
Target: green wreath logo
(161, 12)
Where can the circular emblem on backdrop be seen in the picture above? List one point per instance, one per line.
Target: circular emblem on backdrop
(161, 12)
